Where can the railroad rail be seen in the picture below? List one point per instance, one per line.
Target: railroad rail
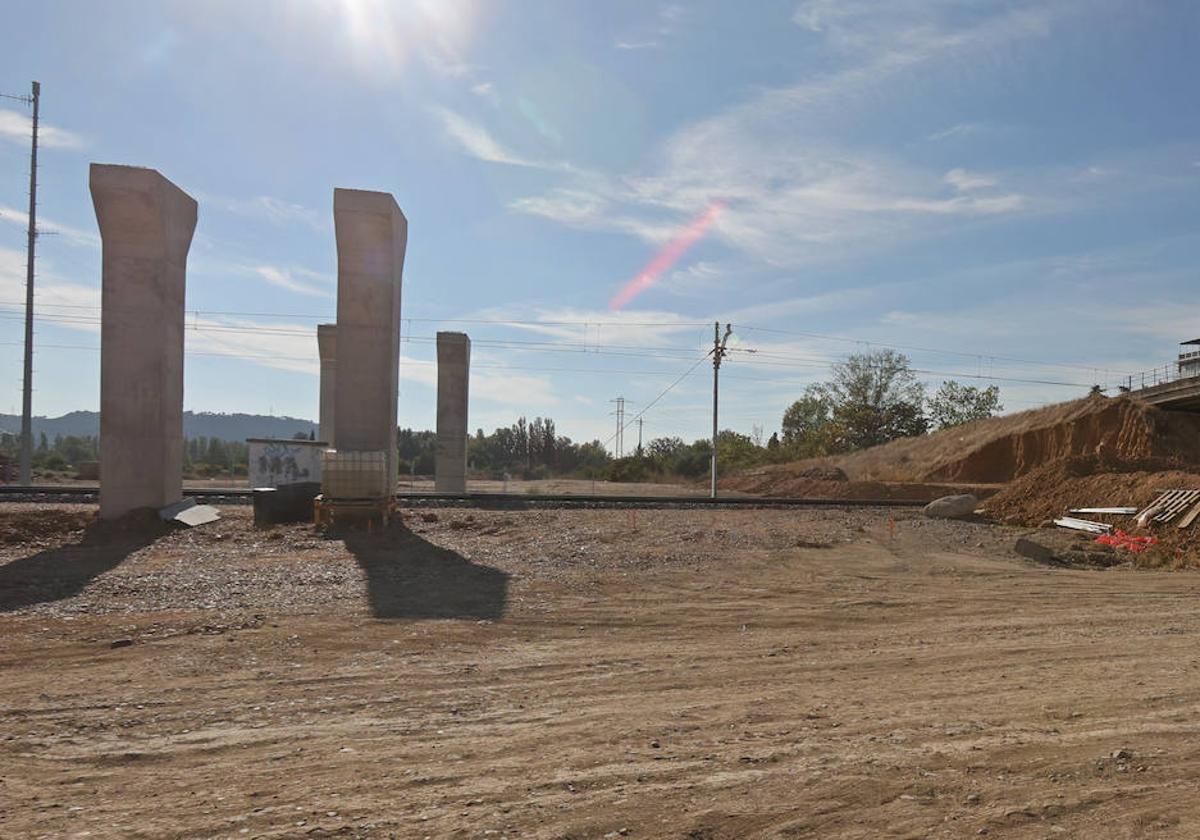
(485, 501)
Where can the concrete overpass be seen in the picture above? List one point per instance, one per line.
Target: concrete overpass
(1175, 387)
(1177, 395)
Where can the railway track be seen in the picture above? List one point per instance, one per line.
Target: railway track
(494, 501)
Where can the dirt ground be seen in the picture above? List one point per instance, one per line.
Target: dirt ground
(588, 674)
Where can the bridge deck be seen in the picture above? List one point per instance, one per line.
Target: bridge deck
(1180, 395)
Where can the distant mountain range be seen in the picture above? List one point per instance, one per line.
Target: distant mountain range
(195, 424)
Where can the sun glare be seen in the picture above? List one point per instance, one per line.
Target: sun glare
(385, 35)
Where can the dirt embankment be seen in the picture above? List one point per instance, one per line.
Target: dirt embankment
(1000, 449)
(781, 482)
(1053, 489)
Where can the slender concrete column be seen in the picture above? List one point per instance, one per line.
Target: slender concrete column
(372, 235)
(146, 226)
(454, 376)
(327, 348)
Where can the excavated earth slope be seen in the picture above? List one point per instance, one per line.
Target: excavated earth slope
(999, 449)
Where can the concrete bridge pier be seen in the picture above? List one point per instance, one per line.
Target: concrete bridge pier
(327, 349)
(146, 225)
(372, 235)
(454, 375)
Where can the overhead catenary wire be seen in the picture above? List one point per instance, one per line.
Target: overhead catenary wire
(661, 394)
(537, 323)
(762, 358)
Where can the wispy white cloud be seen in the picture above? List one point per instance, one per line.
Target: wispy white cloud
(790, 195)
(69, 234)
(287, 278)
(477, 142)
(962, 180)
(579, 328)
(656, 30)
(276, 211)
(956, 131)
(18, 128)
(53, 294)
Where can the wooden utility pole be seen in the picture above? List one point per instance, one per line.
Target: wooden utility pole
(718, 353)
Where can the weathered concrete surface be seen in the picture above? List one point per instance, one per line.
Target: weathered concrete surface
(327, 349)
(372, 235)
(454, 375)
(146, 226)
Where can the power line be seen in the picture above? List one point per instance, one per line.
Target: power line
(663, 393)
(916, 349)
(516, 322)
(762, 359)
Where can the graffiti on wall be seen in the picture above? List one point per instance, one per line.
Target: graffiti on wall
(276, 463)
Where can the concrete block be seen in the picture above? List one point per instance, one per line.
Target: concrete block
(372, 235)
(146, 225)
(327, 349)
(454, 375)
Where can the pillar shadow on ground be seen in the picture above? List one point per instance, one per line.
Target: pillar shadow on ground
(55, 574)
(409, 577)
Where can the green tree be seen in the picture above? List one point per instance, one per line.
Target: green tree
(874, 398)
(807, 424)
(955, 404)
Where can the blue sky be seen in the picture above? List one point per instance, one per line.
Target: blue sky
(1006, 191)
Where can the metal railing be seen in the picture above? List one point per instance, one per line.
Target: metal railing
(1186, 367)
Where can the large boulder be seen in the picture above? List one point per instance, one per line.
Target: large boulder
(952, 507)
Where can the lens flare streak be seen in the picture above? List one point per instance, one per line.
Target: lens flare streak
(668, 256)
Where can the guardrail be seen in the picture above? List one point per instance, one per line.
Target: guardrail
(1163, 375)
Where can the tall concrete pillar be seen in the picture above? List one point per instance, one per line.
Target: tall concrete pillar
(372, 235)
(327, 348)
(146, 226)
(454, 376)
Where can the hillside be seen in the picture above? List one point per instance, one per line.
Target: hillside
(195, 424)
(999, 449)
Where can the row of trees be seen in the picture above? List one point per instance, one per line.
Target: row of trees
(202, 456)
(873, 398)
(869, 399)
(531, 449)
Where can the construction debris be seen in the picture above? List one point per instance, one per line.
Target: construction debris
(1108, 511)
(1119, 539)
(1167, 506)
(187, 512)
(1083, 525)
(1190, 517)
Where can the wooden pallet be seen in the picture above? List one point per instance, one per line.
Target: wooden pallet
(1187, 520)
(1168, 505)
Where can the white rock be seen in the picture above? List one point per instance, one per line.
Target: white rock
(952, 507)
